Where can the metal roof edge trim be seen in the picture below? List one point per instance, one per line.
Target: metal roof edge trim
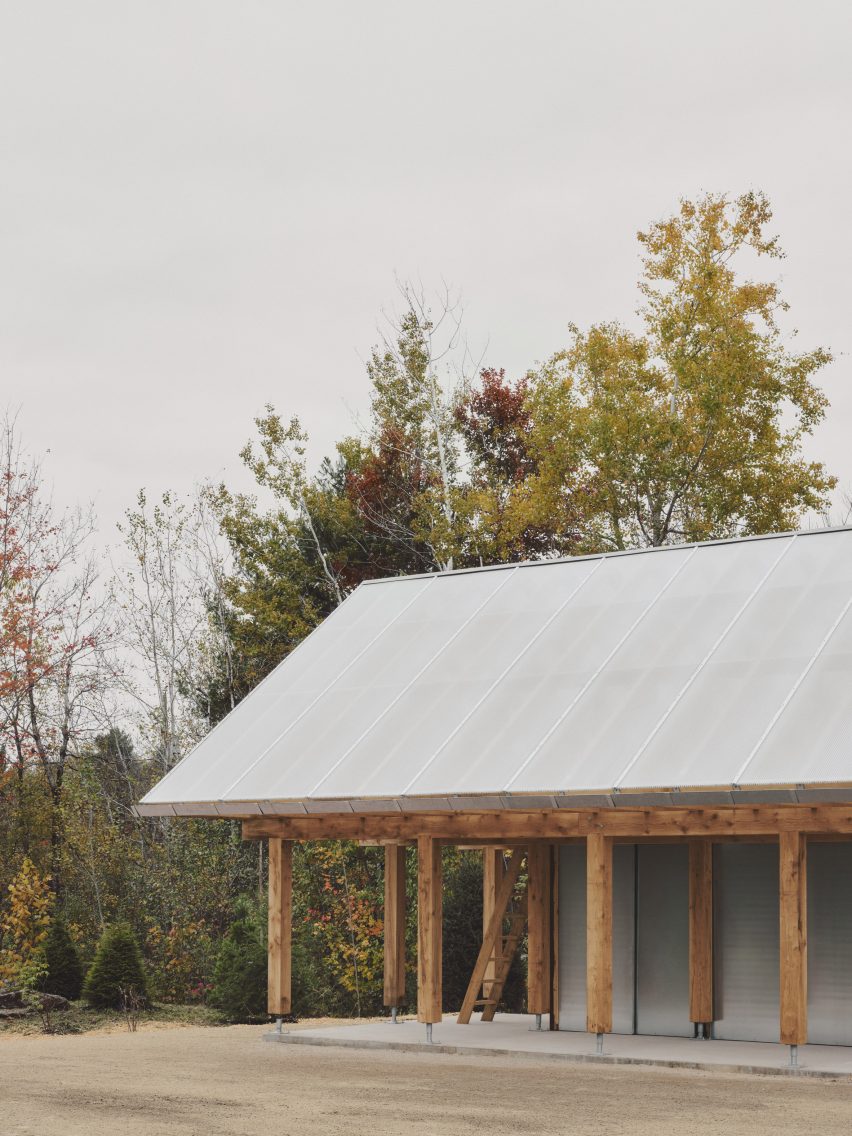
(701, 797)
(750, 537)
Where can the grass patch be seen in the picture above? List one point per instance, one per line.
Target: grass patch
(83, 1019)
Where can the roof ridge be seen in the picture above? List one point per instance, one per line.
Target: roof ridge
(697, 544)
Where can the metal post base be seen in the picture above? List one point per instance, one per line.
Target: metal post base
(429, 1040)
(538, 1021)
(599, 1043)
(393, 1015)
(279, 1026)
(794, 1056)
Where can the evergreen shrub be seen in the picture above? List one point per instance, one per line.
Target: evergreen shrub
(239, 977)
(117, 967)
(63, 970)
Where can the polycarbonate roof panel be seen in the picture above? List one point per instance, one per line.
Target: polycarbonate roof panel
(277, 705)
(710, 665)
(713, 730)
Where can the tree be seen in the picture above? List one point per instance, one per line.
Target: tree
(63, 972)
(275, 595)
(239, 978)
(345, 917)
(281, 467)
(165, 620)
(54, 635)
(406, 481)
(495, 421)
(24, 925)
(116, 971)
(694, 429)
(388, 502)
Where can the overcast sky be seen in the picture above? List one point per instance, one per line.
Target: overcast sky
(203, 204)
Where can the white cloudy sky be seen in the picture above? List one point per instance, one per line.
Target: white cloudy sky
(203, 203)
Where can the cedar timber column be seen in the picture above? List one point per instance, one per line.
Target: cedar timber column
(793, 896)
(599, 935)
(429, 931)
(279, 948)
(701, 934)
(539, 906)
(394, 927)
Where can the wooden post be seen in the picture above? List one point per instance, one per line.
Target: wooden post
(492, 873)
(280, 926)
(598, 933)
(538, 928)
(701, 931)
(793, 878)
(394, 924)
(429, 937)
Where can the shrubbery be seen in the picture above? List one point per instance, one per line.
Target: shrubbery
(116, 971)
(63, 971)
(239, 977)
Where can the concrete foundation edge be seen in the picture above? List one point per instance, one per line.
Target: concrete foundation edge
(570, 1058)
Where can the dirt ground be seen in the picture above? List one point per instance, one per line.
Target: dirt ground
(227, 1081)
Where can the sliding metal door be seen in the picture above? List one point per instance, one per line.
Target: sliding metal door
(651, 941)
(746, 942)
(662, 940)
(830, 944)
(572, 937)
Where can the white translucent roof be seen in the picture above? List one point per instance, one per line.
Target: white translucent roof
(720, 665)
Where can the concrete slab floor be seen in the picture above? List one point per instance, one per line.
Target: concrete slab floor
(516, 1034)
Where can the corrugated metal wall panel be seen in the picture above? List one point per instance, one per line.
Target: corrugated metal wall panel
(830, 944)
(746, 942)
(624, 938)
(572, 938)
(662, 940)
(653, 899)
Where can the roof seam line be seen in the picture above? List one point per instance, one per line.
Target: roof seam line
(602, 666)
(561, 607)
(707, 658)
(792, 693)
(414, 679)
(326, 689)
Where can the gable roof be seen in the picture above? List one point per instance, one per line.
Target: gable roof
(721, 666)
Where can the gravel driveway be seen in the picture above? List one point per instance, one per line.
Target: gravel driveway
(227, 1081)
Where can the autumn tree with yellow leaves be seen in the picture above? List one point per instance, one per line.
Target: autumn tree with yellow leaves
(693, 428)
(25, 920)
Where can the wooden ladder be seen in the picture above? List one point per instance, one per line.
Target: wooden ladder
(497, 946)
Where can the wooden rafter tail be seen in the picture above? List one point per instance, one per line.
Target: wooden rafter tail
(493, 935)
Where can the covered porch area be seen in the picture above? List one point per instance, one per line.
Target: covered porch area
(680, 923)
